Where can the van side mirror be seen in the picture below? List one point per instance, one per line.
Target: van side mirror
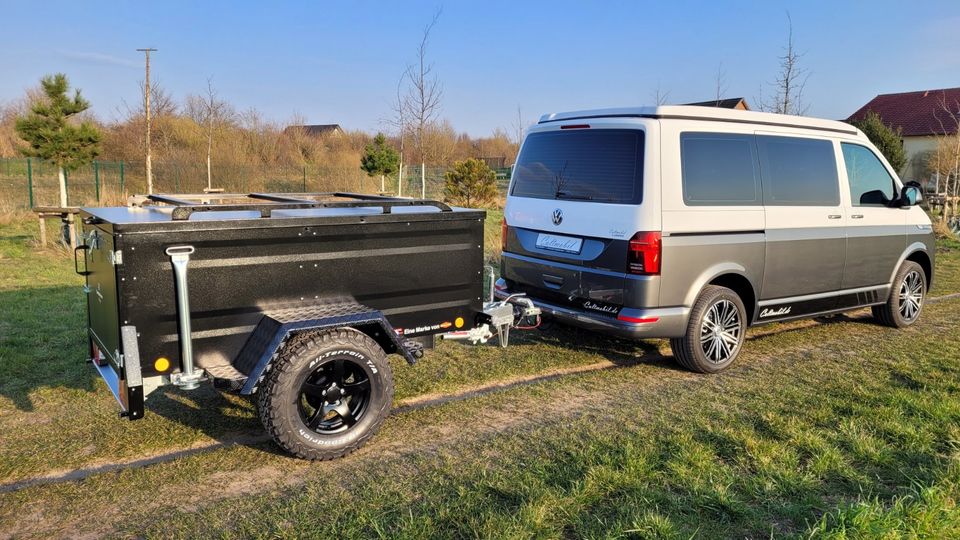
(910, 195)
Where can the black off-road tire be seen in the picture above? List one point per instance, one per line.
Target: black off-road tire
(689, 350)
(280, 397)
(890, 313)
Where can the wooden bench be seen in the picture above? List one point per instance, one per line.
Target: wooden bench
(66, 214)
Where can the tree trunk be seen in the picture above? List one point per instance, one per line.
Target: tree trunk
(63, 186)
(209, 151)
(383, 186)
(423, 180)
(400, 180)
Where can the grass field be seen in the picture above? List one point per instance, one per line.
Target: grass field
(832, 429)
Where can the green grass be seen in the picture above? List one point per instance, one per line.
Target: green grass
(837, 430)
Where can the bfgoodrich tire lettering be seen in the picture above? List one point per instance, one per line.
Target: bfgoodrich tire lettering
(326, 394)
(715, 332)
(907, 295)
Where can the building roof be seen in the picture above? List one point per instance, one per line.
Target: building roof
(915, 113)
(725, 103)
(316, 129)
(688, 112)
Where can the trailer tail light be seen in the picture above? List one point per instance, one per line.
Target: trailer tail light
(503, 234)
(644, 254)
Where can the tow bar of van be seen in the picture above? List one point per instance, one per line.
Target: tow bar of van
(514, 311)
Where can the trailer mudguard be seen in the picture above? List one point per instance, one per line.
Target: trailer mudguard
(277, 326)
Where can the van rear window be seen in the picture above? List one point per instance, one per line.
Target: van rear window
(597, 165)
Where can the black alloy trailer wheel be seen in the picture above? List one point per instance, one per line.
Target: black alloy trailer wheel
(326, 394)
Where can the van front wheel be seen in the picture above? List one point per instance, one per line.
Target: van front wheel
(905, 303)
(715, 332)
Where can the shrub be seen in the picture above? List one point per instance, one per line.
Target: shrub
(884, 138)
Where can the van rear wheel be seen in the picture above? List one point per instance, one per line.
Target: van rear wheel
(326, 394)
(715, 332)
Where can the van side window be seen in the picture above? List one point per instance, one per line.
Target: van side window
(719, 169)
(870, 183)
(798, 172)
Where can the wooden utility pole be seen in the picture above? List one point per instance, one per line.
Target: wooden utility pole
(146, 98)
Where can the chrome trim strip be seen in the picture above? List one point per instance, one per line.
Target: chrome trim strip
(714, 233)
(817, 296)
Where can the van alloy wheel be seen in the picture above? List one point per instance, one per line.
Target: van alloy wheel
(715, 331)
(905, 302)
(720, 331)
(911, 296)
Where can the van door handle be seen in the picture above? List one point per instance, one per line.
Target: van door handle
(834, 216)
(857, 216)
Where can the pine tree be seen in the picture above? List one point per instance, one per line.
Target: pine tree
(52, 136)
(380, 158)
(470, 182)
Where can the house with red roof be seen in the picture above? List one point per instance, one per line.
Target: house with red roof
(922, 117)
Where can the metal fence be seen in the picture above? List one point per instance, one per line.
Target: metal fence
(27, 182)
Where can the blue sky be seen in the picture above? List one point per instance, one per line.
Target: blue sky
(340, 62)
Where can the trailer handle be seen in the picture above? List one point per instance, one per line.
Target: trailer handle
(188, 378)
(76, 262)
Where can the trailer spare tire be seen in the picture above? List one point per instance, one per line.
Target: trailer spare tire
(326, 393)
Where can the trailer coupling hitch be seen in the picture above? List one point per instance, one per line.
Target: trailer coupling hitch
(514, 311)
(189, 377)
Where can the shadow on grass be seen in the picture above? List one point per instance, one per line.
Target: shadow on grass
(42, 343)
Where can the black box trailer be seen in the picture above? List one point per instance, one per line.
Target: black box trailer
(296, 298)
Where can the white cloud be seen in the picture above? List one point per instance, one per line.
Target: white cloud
(99, 58)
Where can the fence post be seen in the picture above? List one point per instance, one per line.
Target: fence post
(96, 179)
(122, 192)
(304, 179)
(30, 182)
(66, 185)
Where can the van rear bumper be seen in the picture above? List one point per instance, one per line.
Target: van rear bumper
(631, 323)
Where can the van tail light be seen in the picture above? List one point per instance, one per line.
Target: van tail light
(644, 254)
(503, 234)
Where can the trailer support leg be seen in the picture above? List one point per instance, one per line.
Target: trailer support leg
(188, 378)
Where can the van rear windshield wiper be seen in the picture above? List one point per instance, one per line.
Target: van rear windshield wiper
(573, 196)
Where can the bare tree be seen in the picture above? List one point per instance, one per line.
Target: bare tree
(519, 127)
(789, 85)
(660, 96)
(421, 104)
(399, 122)
(212, 113)
(721, 83)
(945, 161)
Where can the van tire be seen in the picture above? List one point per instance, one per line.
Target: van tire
(691, 351)
(912, 281)
(343, 362)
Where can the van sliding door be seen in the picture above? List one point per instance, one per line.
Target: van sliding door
(805, 224)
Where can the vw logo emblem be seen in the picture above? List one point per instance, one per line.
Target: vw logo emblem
(557, 216)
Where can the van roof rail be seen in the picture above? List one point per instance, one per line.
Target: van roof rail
(692, 112)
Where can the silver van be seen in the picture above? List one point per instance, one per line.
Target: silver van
(693, 223)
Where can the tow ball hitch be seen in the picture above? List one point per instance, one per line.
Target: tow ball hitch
(515, 311)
